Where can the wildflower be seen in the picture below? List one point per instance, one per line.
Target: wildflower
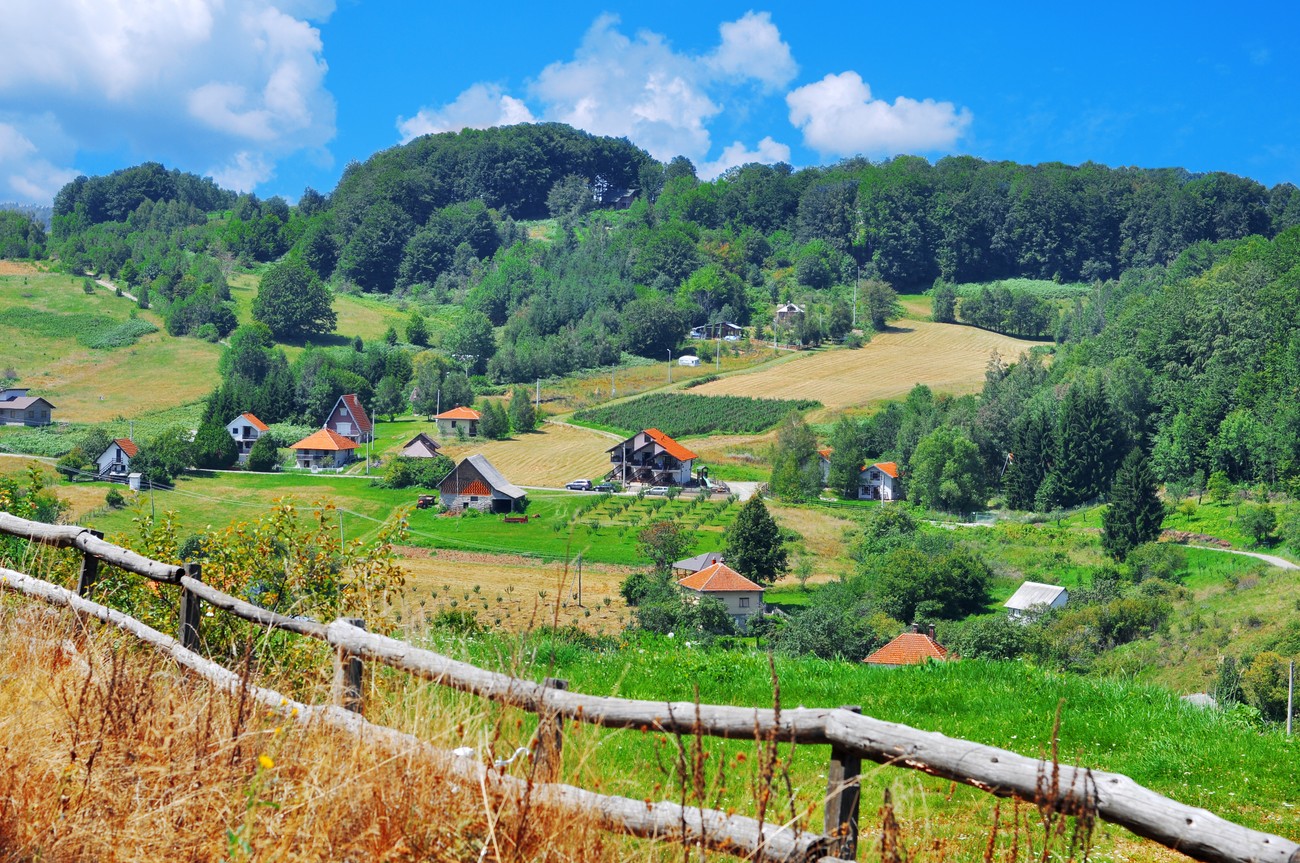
(265, 761)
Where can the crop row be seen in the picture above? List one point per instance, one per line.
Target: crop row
(679, 414)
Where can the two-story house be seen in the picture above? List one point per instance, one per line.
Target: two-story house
(651, 457)
(245, 429)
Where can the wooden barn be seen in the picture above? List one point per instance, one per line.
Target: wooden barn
(476, 484)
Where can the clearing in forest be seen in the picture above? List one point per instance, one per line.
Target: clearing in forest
(945, 357)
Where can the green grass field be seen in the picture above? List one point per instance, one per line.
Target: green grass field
(1044, 288)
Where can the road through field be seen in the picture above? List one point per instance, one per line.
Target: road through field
(945, 357)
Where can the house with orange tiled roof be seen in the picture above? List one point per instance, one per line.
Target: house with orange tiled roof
(651, 457)
(742, 597)
(452, 421)
(879, 481)
(476, 484)
(350, 420)
(115, 463)
(245, 429)
(824, 460)
(325, 449)
(910, 648)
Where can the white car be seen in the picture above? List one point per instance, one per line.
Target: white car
(579, 485)
(657, 489)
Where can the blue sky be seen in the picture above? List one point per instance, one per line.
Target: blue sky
(276, 95)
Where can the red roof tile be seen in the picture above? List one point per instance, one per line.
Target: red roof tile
(476, 487)
(254, 421)
(887, 467)
(825, 453)
(673, 448)
(718, 577)
(325, 439)
(128, 446)
(358, 412)
(910, 648)
(459, 414)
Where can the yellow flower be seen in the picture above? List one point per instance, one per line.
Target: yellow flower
(265, 761)
(277, 730)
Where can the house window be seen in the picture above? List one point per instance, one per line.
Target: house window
(744, 602)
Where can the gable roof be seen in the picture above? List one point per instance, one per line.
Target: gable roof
(910, 648)
(424, 439)
(718, 578)
(825, 453)
(128, 446)
(493, 477)
(699, 561)
(325, 439)
(357, 411)
(673, 448)
(459, 414)
(888, 468)
(22, 403)
(1033, 593)
(253, 421)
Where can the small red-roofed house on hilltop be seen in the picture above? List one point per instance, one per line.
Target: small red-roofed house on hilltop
(879, 481)
(651, 457)
(349, 419)
(245, 429)
(325, 449)
(452, 421)
(742, 597)
(910, 648)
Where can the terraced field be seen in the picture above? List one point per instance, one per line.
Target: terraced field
(946, 357)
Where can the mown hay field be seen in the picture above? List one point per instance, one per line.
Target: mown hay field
(946, 357)
(94, 385)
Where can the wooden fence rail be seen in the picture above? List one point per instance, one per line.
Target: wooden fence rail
(1114, 797)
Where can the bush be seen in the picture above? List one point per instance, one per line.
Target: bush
(114, 499)
(264, 456)
(426, 473)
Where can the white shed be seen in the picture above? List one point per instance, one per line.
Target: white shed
(1033, 597)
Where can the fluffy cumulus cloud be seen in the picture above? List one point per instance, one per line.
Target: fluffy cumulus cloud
(226, 86)
(479, 107)
(768, 152)
(635, 86)
(839, 116)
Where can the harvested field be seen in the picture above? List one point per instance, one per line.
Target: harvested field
(946, 357)
(16, 268)
(548, 457)
(510, 590)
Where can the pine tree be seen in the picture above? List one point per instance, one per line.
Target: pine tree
(847, 455)
(796, 470)
(523, 417)
(417, 333)
(493, 423)
(214, 448)
(1135, 512)
(755, 547)
(1030, 458)
(1085, 455)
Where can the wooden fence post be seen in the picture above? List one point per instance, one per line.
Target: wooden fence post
(89, 568)
(347, 675)
(191, 610)
(550, 738)
(843, 794)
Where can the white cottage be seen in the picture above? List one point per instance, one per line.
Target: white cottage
(1033, 598)
(115, 463)
(742, 597)
(245, 429)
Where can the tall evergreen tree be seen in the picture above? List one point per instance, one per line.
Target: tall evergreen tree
(755, 547)
(1085, 456)
(1030, 457)
(1135, 511)
(523, 417)
(493, 423)
(214, 448)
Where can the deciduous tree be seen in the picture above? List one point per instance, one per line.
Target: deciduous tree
(755, 547)
(293, 302)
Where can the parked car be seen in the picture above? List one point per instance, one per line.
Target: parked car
(657, 489)
(579, 485)
(605, 488)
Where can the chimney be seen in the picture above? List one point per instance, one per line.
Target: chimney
(931, 632)
(916, 627)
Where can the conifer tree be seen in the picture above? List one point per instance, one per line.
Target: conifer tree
(755, 547)
(1030, 458)
(523, 418)
(1135, 511)
(214, 448)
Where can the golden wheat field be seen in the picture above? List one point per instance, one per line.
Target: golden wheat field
(946, 357)
(547, 458)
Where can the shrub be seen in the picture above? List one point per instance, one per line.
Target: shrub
(114, 499)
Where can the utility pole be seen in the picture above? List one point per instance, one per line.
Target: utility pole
(1290, 694)
(613, 390)
(537, 397)
(856, 280)
(579, 579)
(670, 365)
(718, 354)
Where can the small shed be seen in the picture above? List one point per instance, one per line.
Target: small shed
(742, 597)
(476, 484)
(1033, 598)
(910, 648)
(688, 360)
(420, 446)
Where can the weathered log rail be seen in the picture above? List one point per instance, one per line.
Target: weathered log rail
(1113, 797)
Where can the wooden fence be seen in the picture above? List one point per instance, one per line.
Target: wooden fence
(851, 737)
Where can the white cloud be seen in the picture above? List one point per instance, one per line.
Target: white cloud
(636, 87)
(752, 48)
(769, 152)
(838, 116)
(244, 171)
(27, 173)
(479, 107)
(187, 82)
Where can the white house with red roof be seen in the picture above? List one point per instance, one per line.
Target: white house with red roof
(324, 449)
(452, 421)
(742, 597)
(879, 481)
(19, 409)
(349, 419)
(115, 463)
(651, 457)
(245, 429)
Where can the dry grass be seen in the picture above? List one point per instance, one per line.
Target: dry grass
(109, 754)
(16, 268)
(945, 357)
(512, 592)
(547, 458)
